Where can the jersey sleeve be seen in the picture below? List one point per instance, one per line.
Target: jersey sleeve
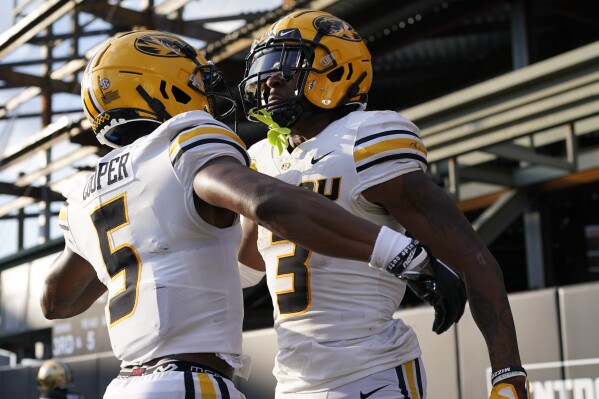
(387, 146)
(258, 152)
(190, 149)
(63, 223)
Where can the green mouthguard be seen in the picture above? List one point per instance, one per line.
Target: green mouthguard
(277, 136)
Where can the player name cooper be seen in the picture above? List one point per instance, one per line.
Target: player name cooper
(108, 173)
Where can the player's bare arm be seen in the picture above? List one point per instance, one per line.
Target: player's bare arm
(429, 214)
(71, 286)
(295, 213)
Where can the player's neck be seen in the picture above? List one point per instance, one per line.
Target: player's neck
(309, 126)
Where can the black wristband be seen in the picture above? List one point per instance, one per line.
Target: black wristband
(507, 372)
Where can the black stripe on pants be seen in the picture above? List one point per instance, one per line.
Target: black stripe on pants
(224, 391)
(190, 392)
(402, 382)
(419, 377)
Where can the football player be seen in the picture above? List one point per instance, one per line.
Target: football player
(308, 79)
(156, 224)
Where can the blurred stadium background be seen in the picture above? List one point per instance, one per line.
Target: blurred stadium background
(506, 93)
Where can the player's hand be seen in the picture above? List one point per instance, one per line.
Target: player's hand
(444, 290)
(513, 388)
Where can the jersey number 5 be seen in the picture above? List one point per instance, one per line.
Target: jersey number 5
(294, 266)
(121, 262)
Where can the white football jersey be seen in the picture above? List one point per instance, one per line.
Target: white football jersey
(334, 317)
(173, 280)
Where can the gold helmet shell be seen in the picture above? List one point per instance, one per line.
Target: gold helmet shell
(333, 61)
(139, 79)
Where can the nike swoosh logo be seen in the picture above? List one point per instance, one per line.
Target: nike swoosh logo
(316, 159)
(368, 394)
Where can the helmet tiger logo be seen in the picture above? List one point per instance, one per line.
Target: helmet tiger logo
(332, 26)
(159, 45)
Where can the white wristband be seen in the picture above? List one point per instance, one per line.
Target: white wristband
(507, 372)
(388, 244)
(249, 276)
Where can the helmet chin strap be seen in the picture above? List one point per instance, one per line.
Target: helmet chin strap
(353, 89)
(288, 116)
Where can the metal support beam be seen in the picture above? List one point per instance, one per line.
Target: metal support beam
(126, 17)
(495, 219)
(67, 69)
(27, 191)
(454, 178)
(17, 79)
(38, 20)
(572, 146)
(46, 138)
(519, 32)
(534, 249)
(486, 175)
(520, 153)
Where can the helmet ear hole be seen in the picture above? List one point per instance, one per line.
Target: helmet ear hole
(180, 96)
(336, 74)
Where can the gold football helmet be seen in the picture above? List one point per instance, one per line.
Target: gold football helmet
(139, 79)
(54, 374)
(332, 60)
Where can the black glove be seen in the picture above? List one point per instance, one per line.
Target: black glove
(445, 291)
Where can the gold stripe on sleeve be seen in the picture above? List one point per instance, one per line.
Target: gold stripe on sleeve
(182, 138)
(388, 145)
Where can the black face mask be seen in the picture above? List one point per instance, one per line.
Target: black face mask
(285, 59)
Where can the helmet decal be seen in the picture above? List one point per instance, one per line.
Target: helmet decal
(101, 121)
(104, 83)
(293, 33)
(160, 45)
(107, 96)
(333, 26)
(327, 59)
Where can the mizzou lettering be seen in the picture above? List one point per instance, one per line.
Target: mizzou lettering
(326, 187)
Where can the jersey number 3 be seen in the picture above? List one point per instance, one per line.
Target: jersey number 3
(294, 265)
(121, 262)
